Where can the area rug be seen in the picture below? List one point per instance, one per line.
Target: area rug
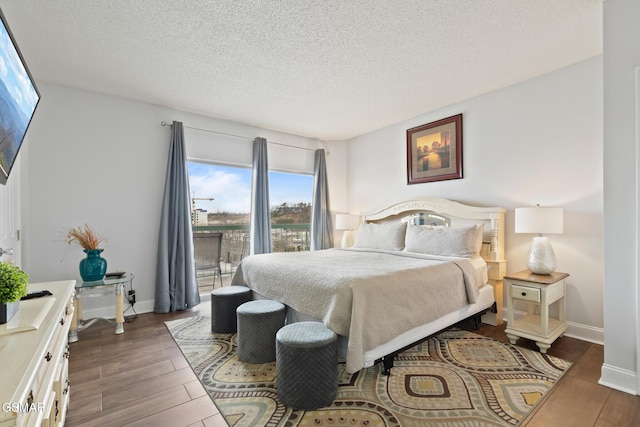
(454, 379)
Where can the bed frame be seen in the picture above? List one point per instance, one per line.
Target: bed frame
(457, 215)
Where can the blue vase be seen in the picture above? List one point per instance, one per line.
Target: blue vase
(93, 267)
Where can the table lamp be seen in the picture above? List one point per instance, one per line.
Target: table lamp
(347, 222)
(541, 258)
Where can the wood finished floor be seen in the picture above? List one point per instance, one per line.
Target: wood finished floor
(140, 378)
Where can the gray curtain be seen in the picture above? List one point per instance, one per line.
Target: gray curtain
(321, 224)
(260, 212)
(176, 285)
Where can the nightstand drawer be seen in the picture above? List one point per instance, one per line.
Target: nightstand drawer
(525, 293)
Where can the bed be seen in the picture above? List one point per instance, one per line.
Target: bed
(416, 268)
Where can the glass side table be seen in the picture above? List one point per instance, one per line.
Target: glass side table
(99, 288)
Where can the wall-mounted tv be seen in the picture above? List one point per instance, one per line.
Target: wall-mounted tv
(19, 98)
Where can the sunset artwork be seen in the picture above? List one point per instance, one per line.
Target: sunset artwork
(434, 151)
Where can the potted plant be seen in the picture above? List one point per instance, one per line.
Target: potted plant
(93, 267)
(13, 286)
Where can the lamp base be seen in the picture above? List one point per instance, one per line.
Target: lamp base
(541, 259)
(347, 239)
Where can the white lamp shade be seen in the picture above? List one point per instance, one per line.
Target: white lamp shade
(539, 220)
(347, 221)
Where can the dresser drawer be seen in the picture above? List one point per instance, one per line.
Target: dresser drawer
(61, 389)
(525, 293)
(53, 351)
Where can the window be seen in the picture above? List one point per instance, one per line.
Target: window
(230, 188)
(290, 197)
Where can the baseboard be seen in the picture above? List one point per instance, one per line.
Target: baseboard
(145, 306)
(585, 333)
(618, 379)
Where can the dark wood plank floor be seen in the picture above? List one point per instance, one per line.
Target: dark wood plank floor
(140, 378)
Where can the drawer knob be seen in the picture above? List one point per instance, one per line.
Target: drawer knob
(524, 294)
(62, 321)
(49, 356)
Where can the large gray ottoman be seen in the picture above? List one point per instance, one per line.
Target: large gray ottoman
(306, 365)
(258, 323)
(224, 302)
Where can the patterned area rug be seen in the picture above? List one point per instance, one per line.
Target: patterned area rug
(454, 379)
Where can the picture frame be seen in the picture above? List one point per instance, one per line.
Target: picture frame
(434, 151)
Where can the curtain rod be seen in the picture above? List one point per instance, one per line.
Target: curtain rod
(239, 136)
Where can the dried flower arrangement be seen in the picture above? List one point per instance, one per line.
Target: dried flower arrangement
(85, 237)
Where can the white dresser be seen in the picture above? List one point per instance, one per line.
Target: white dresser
(34, 364)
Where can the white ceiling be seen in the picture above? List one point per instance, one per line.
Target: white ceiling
(321, 69)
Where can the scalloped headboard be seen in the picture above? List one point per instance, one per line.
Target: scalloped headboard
(459, 214)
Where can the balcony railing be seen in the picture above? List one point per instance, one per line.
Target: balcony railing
(235, 246)
(284, 238)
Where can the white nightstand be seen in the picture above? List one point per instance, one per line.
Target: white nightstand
(539, 290)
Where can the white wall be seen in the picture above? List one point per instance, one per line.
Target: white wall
(535, 142)
(621, 130)
(101, 160)
(98, 160)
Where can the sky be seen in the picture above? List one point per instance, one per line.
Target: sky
(14, 75)
(231, 187)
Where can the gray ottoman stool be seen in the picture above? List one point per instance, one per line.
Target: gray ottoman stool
(306, 365)
(224, 302)
(258, 322)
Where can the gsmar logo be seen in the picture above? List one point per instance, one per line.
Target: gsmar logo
(23, 407)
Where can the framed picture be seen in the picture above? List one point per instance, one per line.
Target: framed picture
(434, 151)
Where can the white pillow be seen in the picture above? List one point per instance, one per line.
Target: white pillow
(478, 237)
(381, 236)
(457, 242)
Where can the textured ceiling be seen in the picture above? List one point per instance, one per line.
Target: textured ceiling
(320, 69)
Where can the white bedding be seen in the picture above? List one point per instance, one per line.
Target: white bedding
(370, 296)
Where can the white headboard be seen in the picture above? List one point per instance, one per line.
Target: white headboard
(459, 214)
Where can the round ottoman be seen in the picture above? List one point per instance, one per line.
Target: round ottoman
(258, 322)
(306, 365)
(224, 302)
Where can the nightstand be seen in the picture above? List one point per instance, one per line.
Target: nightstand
(538, 290)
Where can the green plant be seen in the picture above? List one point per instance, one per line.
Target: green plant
(85, 237)
(13, 283)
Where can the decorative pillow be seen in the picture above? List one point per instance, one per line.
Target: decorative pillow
(458, 242)
(381, 236)
(477, 239)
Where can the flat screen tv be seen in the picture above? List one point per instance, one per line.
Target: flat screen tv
(19, 98)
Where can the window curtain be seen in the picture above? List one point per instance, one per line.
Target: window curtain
(260, 212)
(176, 285)
(321, 224)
